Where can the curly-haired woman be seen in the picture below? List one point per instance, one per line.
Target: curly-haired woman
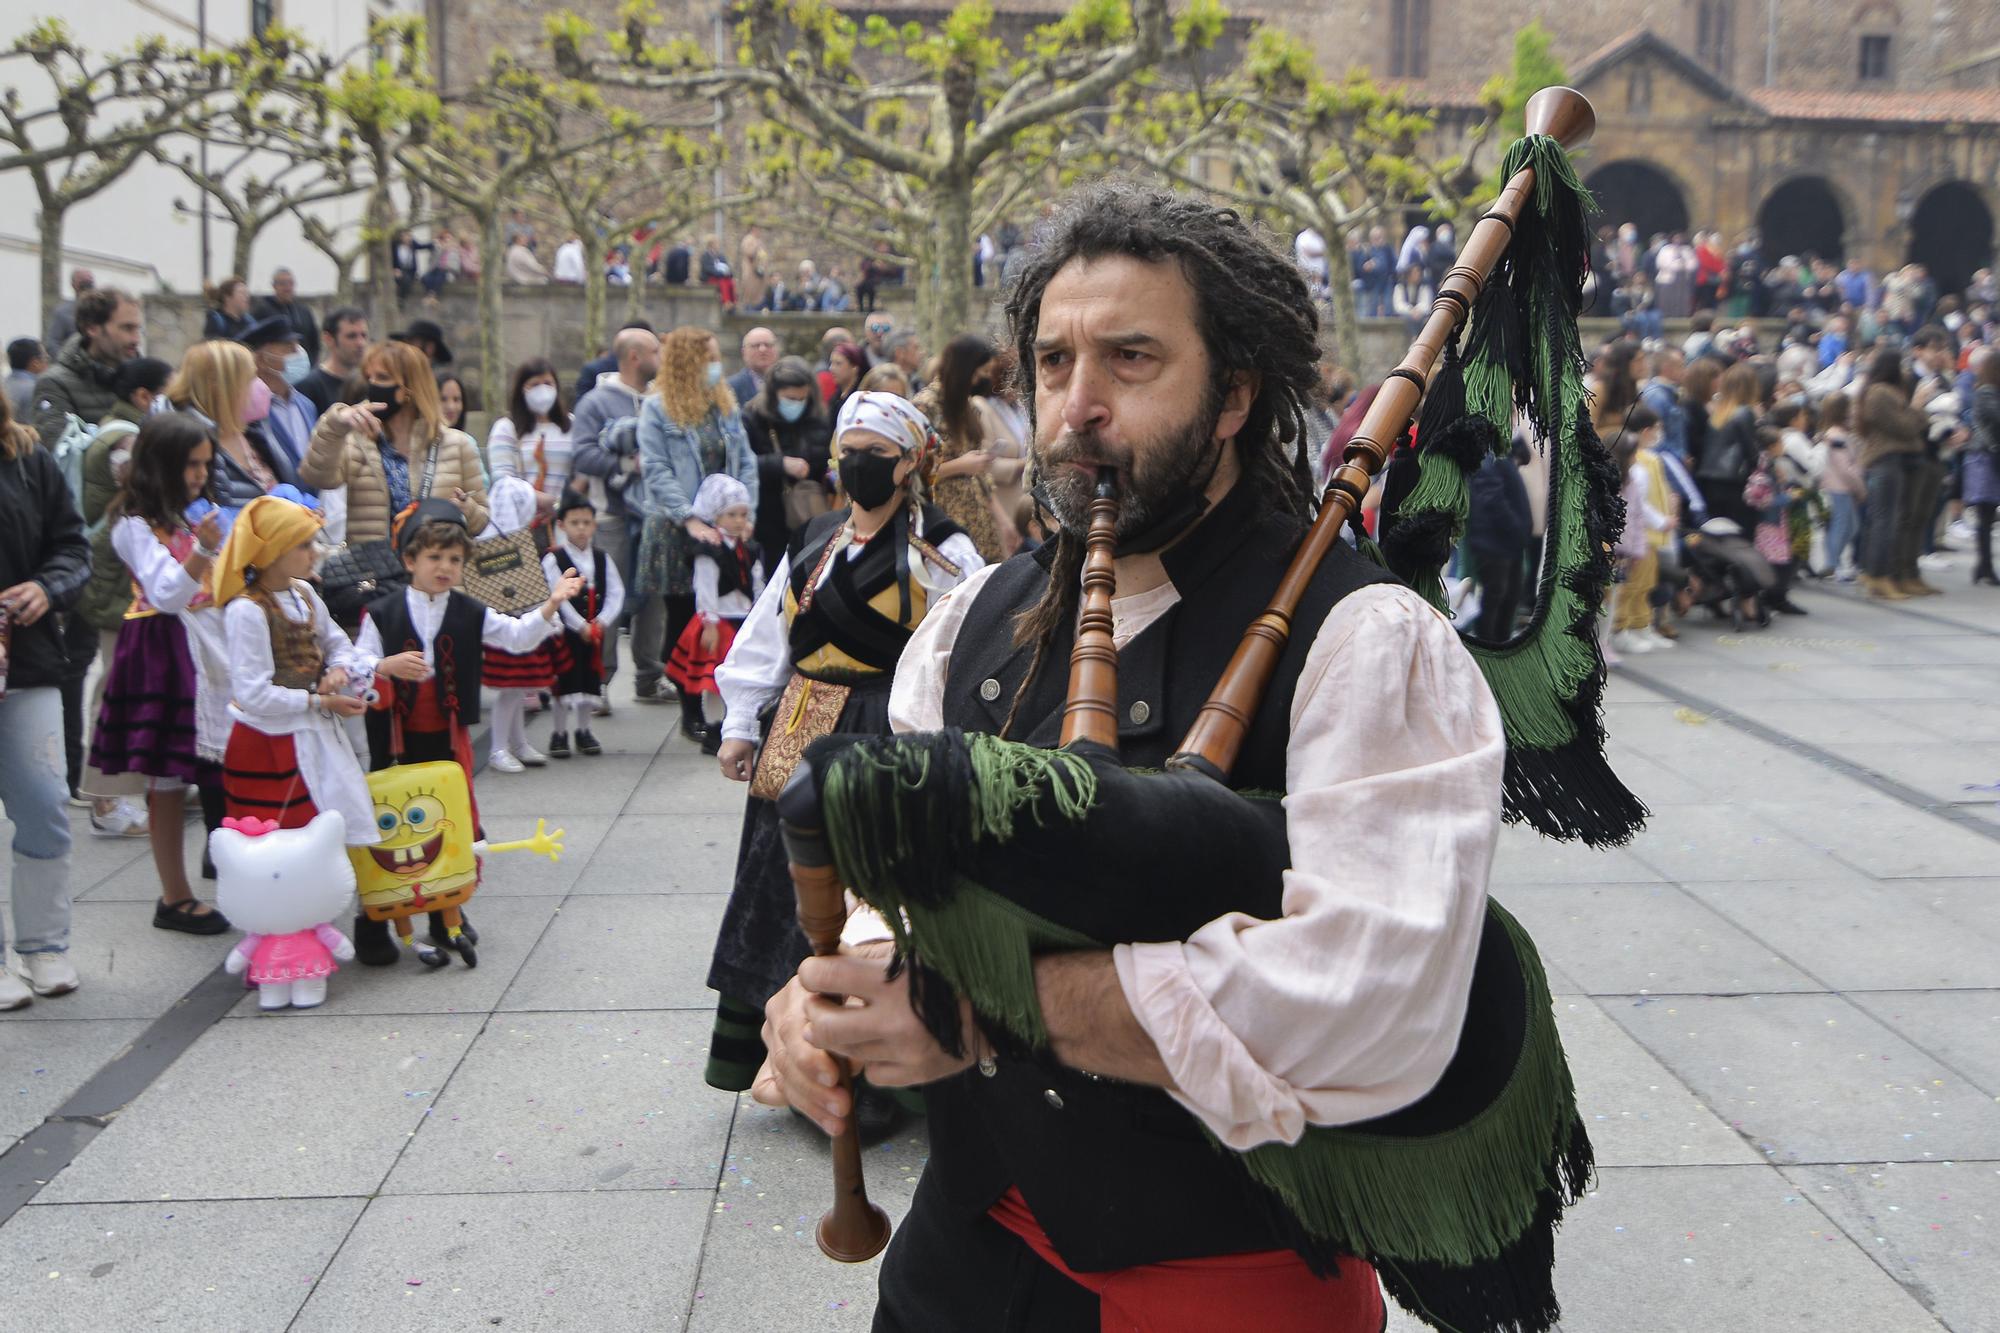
(689, 427)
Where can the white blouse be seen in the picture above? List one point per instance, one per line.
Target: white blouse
(760, 659)
(169, 590)
(712, 605)
(1348, 1006)
(331, 774)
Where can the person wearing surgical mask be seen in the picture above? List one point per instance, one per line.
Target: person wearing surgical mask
(281, 364)
(791, 433)
(531, 441)
(218, 382)
(689, 428)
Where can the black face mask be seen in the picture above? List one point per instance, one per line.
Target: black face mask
(870, 479)
(388, 397)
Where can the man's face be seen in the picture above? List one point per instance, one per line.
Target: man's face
(271, 359)
(117, 339)
(878, 329)
(908, 356)
(349, 342)
(760, 350)
(282, 286)
(644, 362)
(1377, 236)
(1122, 379)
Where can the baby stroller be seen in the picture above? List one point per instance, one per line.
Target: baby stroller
(1725, 573)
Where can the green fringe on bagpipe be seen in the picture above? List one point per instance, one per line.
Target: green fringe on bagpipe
(984, 945)
(1441, 486)
(1458, 1197)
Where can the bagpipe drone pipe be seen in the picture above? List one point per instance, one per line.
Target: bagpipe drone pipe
(981, 852)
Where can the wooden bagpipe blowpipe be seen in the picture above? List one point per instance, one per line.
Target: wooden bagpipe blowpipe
(980, 852)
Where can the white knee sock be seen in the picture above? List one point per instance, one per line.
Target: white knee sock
(585, 706)
(509, 725)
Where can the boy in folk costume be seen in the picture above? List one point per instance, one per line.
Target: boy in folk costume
(589, 616)
(728, 579)
(439, 636)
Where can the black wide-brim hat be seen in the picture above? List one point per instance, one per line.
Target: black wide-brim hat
(274, 329)
(412, 520)
(426, 330)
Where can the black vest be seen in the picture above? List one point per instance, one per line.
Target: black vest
(839, 614)
(457, 655)
(735, 569)
(1120, 1175)
(592, 590)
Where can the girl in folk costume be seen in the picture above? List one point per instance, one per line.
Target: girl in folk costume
(166, 694)
(727, 581)
(817, 654)
(293, 674)
(588, 618)
(515, 676)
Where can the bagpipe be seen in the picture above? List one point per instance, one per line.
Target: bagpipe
(981, 852)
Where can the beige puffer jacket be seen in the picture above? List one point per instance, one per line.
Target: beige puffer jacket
(351, 459)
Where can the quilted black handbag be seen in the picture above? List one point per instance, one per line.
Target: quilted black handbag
(352, 576)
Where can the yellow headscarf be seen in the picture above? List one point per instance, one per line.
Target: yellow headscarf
(265, 529)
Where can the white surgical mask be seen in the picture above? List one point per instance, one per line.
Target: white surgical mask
(541, 397)
(297, 366)
(715, 372)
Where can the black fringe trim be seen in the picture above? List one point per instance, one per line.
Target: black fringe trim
(1419, 541)
(1468, 442)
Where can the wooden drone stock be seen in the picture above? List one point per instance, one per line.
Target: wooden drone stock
(1091, 713)
(854, 1230)
(1214, 741)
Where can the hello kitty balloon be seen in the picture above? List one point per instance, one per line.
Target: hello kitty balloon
(284, 887)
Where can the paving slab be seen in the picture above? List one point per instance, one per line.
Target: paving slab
(1638, 1113)
(761, 1268)
(1883, 838)
(574, 1102)
(1971, 901)
(93, 860)
(545, 1261)
(577, 786)
(1526, 857)
(523, 875)
(1682, 1249)
(40, 1065)
(1697, 842)
(680, 853)
(687, 785)
(242, 1266)
(261, 1109)
(1635, 939)
(1812, 1078)
(508, 931)
(623, 952)
(1854, 934)
(129, 968)
(1959, 1028)
(1933, 1226)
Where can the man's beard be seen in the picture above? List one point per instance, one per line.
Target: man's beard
(1169, 468)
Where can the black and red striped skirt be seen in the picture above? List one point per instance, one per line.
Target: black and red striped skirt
(261, 779)
(536, 669)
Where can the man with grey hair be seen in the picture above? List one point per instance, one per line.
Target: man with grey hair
(283, 303)
(907, 351)
(760, 353)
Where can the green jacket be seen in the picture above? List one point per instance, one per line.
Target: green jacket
(109, 592)
(77, 383)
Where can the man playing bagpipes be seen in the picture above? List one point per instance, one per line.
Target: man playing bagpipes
(1197, 1055)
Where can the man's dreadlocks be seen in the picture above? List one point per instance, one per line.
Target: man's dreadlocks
(1255, 314)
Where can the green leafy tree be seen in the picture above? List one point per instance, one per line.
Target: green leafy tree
(1276, 138)
(916, 114)
(97, 115)
(1534, 68)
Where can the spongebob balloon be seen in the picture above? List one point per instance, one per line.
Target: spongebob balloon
(284, 887)
(427, 859)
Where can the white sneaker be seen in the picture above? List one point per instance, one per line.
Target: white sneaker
(532, 757)
(1961, 530)
(123, 820)
(1631, 641)
(13, 995)
(1657, 639)
(48, 973)
(505, 762)
(1936, 560)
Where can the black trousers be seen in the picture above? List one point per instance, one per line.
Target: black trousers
(943, 1272)
(1499, 597)
(80, 649)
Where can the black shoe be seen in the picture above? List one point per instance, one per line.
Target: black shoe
(1985, 576)
(372, 945)
(441, 935)
(182, 917)
(711, 741)
(587, 743)
(558, 745)
(1788, 607)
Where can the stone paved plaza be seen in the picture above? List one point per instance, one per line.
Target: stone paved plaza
(1782, 1003)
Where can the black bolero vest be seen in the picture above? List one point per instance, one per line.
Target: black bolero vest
(1120, 1175)
(458, 654)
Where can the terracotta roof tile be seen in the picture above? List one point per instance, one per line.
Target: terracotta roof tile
(1963, 107)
